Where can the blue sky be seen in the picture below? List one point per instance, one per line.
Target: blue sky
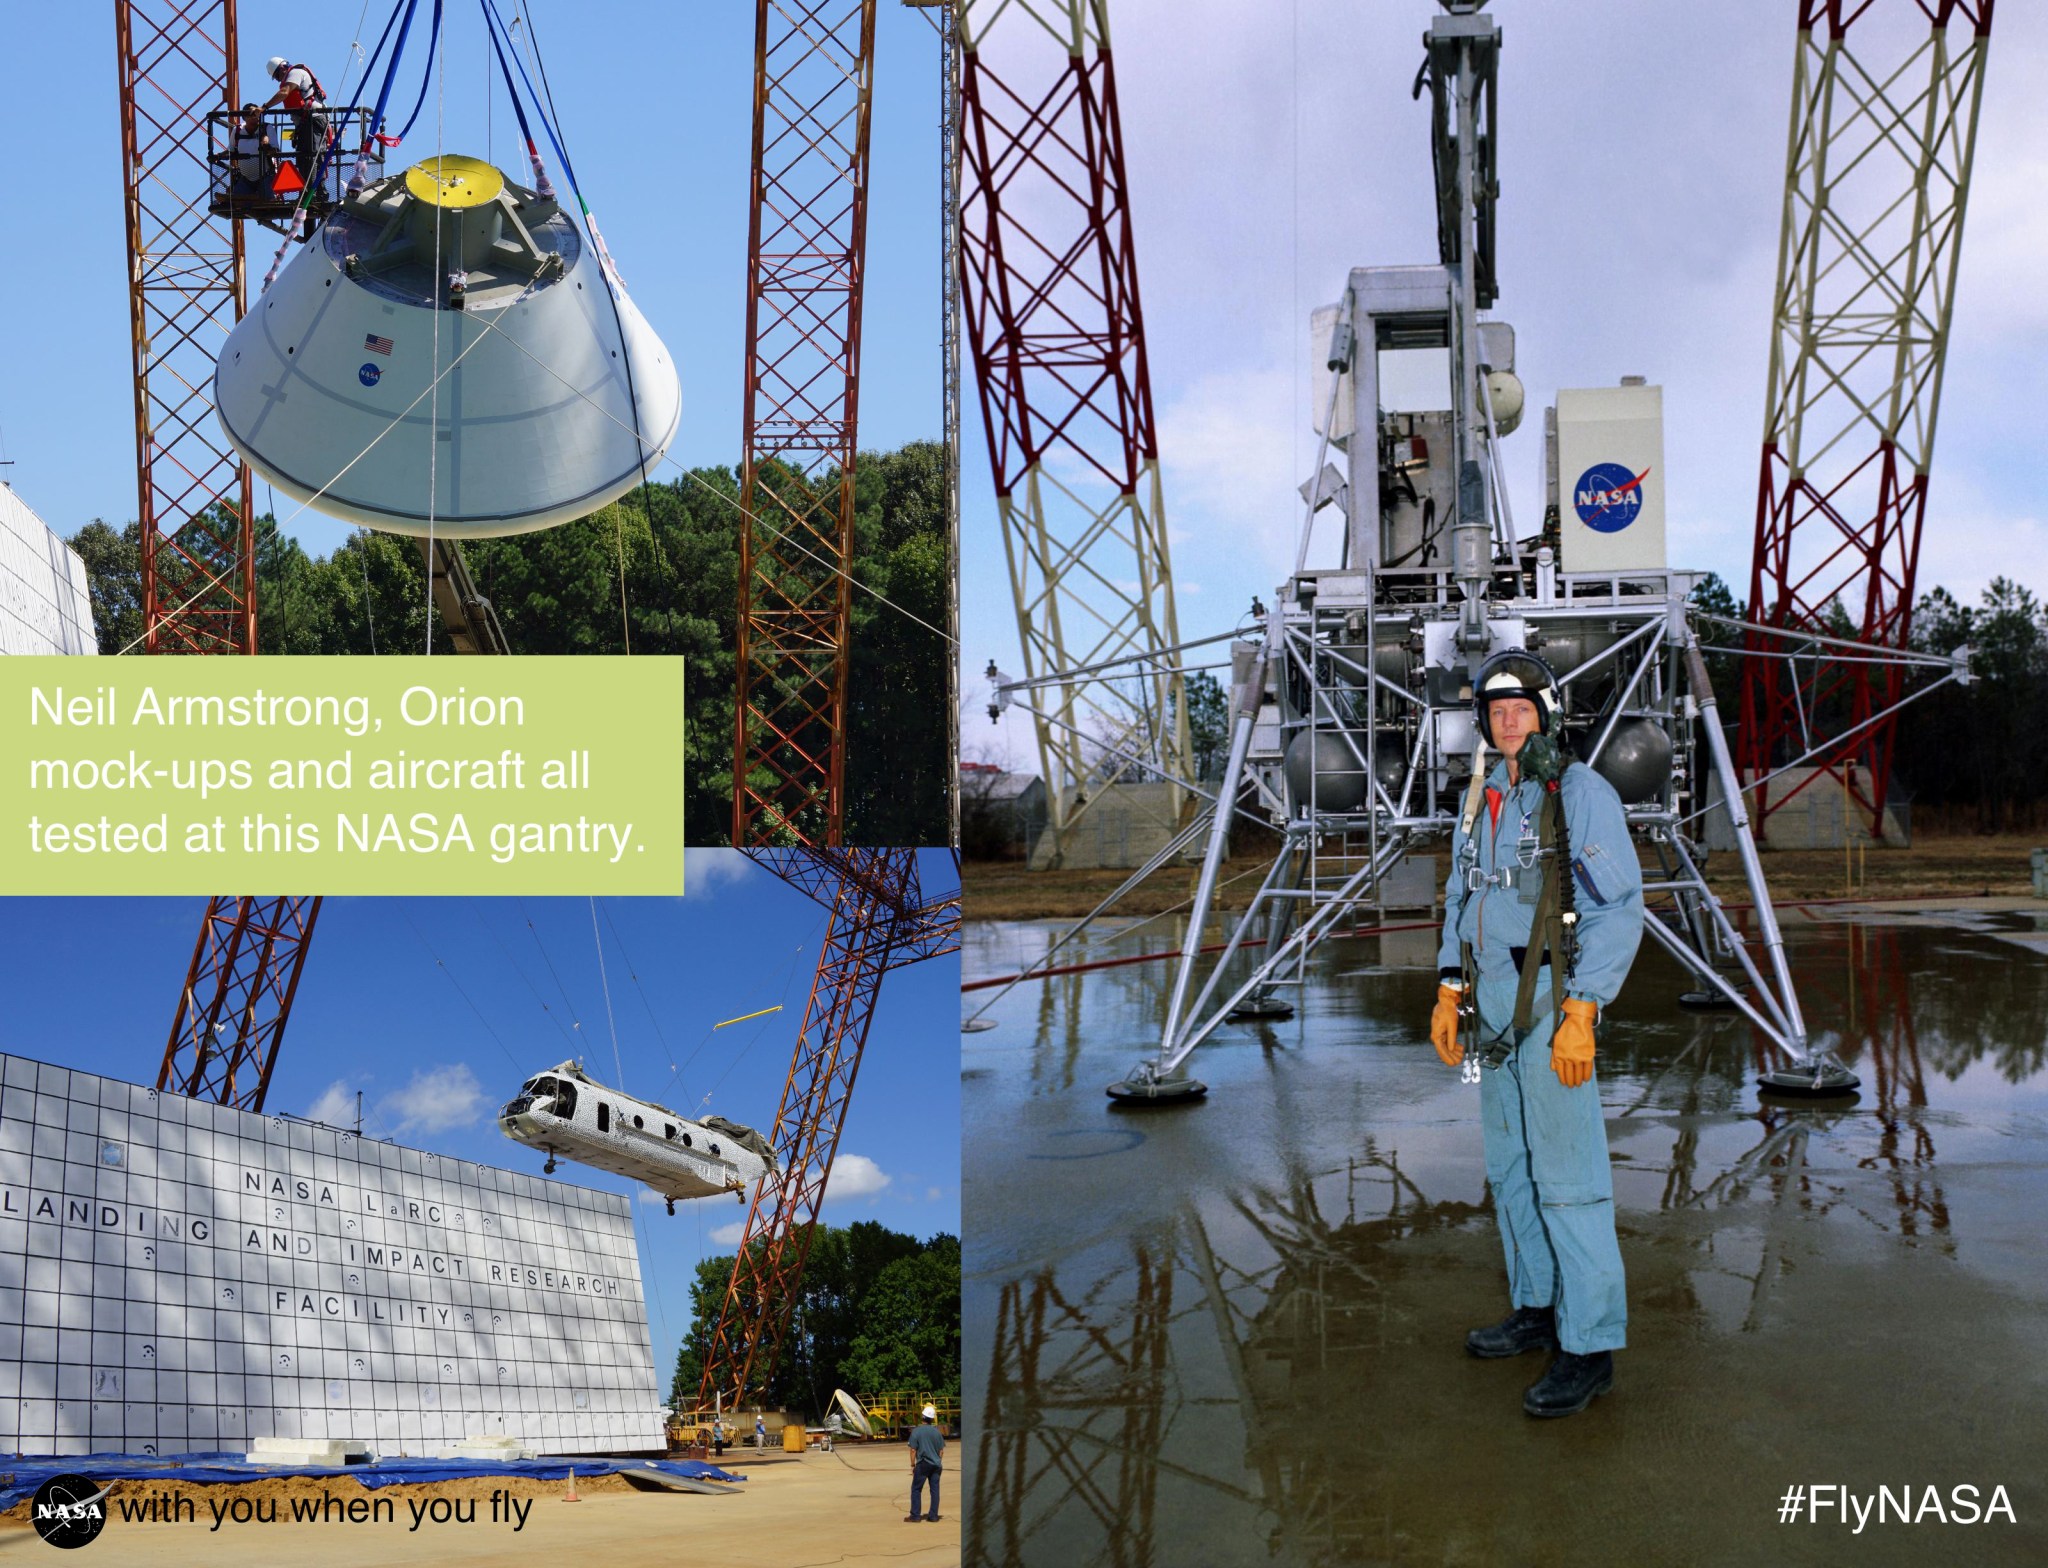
(656, 103)
(437, 1009)
(1642, 165)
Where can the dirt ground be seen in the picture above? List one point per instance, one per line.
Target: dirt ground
(1968, 864)
(844, 1509)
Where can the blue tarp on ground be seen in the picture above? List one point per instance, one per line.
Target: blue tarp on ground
(20, 1476)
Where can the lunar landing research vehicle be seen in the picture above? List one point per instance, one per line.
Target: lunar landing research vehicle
(1352, 728)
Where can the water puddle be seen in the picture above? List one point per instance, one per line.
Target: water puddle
(1232, 1332)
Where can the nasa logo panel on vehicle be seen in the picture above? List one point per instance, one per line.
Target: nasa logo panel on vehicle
(69, 1511)
(370, 375)
(1608, 497)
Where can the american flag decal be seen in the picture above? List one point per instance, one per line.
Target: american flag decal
(376, 345)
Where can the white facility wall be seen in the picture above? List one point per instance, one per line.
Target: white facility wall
(178, 1277)
(45, 601)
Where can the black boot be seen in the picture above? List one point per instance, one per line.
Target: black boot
(1571, 1384)
(1525, 1328)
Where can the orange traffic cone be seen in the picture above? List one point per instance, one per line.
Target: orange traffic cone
(570, 1495)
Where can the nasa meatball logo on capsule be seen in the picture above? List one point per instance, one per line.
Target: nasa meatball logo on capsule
(1608, 497)
(531, 393)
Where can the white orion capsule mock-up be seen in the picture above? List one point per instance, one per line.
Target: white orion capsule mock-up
(565, 1111)
(450, 354)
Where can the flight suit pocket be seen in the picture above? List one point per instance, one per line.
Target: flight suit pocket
(1598, 876)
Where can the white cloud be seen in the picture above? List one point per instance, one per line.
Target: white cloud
(706, 869)
(932, 1194)
(336, 1105)
(436, 1099)
(649, 1195)
(729, 1235)
(855, 1176)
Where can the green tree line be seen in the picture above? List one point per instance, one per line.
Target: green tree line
(1976, 753)
(657, 572)
(879, 1312)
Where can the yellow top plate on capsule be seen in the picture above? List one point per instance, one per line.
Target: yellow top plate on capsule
(454, 181)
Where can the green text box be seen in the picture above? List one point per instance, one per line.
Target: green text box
(545, 775)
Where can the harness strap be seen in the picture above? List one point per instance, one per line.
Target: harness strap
(1476, 790)
(1546, 928)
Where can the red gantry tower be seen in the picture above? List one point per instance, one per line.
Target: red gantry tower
(186, 282)
(814, 71)
(1884, 125)
(1049, 285)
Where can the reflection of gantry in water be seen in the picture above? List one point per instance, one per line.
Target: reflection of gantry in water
(1096, 1407)
(1074, 1418)
(1090, 1407)
(1873, 995)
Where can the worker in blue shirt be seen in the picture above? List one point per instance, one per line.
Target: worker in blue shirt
(1543, 914)
(927, 1460)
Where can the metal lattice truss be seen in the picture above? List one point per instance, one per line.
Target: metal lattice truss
(185, 290)
(1091, 1405)
(1877, 178)
(814, 64)
(1049, 285)
(879, 921)
(1378, 790)
(237, 999)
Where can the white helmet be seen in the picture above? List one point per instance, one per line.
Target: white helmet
(930, 1414)
(1516, 672)
(276, 66)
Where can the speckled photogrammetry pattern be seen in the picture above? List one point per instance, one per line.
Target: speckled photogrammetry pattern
(177, 1276)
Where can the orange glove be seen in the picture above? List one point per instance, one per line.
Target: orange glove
(1443, 1024)
(1571, 1048)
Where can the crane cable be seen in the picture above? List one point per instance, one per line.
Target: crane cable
(439, 288)
(614, 283)
(544, 958)
(633, 973)
(604, 980)
(525, 978)
(443, 967)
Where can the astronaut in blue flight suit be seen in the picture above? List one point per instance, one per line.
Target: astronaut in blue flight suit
(1546, 1144)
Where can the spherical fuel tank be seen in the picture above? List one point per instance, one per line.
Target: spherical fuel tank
(448, 353)
(1636, 760)
(1339, 780)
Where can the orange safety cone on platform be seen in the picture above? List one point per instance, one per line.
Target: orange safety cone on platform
(570, 1495)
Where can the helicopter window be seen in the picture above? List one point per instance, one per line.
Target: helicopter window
(686, 1140)
(669, 1131)
(565, 1098)
(604, 1117)
(714, 1148)
(638, 1123)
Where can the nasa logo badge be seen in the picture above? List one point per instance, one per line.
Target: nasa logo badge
(69, 1511)
(1608, 497)
(370, 375)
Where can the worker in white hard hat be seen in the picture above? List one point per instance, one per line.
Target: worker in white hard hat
(1543, 912)
(299, 90)
(927, 1461)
